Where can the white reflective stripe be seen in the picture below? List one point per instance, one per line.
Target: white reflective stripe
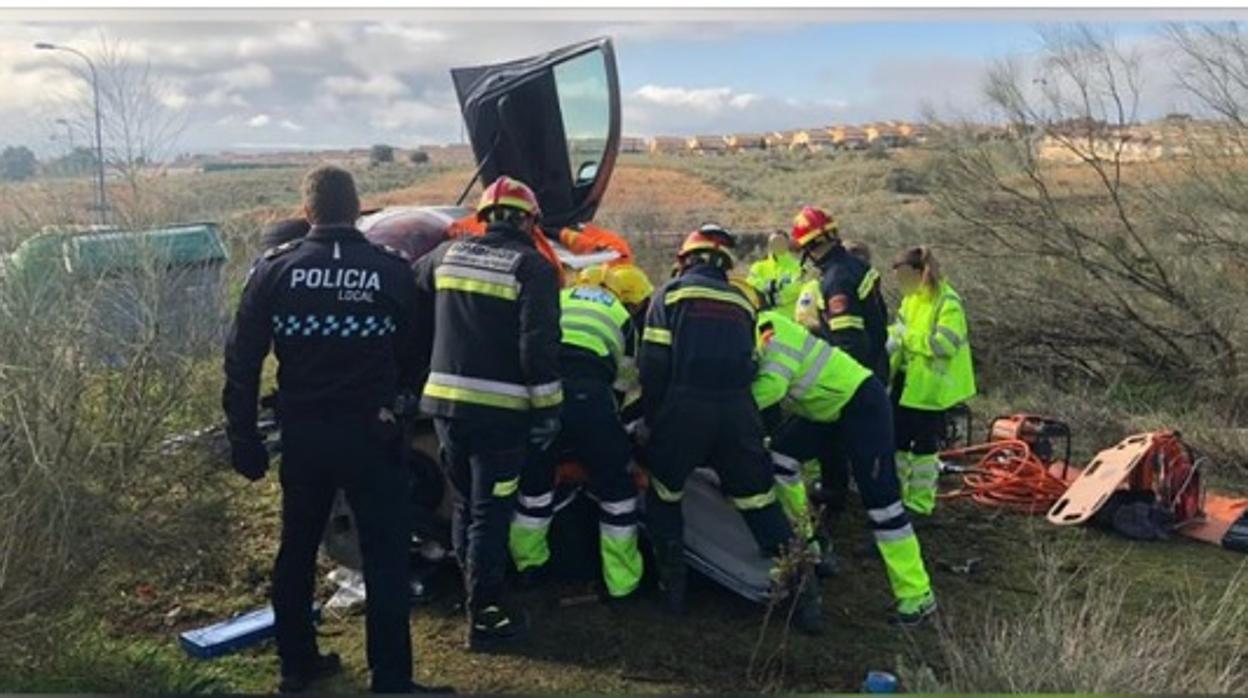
(786, 463)
(594, 314)
(938, 348)
(545, 389)
(785, 477)
(481, 384)
(777, 368)
(889, 535)
(623, 506)
(776, 346)
(617, 532)
(883, 514)
(494, 277)
(533, 523)
(808, 345)
(541, 500)
(812, 374)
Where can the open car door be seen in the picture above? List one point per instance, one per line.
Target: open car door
(551, 121)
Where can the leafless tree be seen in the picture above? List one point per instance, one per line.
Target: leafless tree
(1074, 222)
(140, 127)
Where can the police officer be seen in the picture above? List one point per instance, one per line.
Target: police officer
(835, 400)
(493, 386)
(599, 343)
(697, 365)
(337, 311)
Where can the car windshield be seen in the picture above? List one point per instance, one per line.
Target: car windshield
(585, 102)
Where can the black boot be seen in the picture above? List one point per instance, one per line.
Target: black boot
(496, 626)
(673, 574)
(297, 680)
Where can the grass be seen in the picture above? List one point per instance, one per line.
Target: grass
(127, 643)
(119, 635)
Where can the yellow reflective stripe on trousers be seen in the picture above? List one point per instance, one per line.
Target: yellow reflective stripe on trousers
(665, 494)
(657, 335)
(506, 488)
(868, 281)
(846, 322)
(757, 501)
(546, 394)
(710, 294)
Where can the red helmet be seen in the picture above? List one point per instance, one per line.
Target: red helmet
(711, 239)
(811, 225)
(511, 193)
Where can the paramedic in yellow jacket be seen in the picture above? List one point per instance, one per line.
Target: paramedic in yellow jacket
(930, 361)
(833, 399)
(778, 276)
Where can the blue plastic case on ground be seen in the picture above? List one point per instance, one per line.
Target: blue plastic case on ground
(234, 634)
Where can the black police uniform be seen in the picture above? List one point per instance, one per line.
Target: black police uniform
(338, 312)
(494, 371)
(697, 364)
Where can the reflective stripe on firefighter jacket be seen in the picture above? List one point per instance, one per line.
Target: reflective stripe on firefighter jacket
(802, 372)
(849, 308)
(594, 322)
(494, 301)
(935, 349)
(778, 278)
(699, 334)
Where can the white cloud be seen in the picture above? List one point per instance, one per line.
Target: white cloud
(258, 121)
(704, 99)
(290, 125)
(410, 34)
(381, 86)
(413, 114)
(250, 76)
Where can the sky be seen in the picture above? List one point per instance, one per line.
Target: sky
(314, 80)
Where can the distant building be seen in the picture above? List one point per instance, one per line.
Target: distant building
(707, 145)
(668, 145)
(778, 140)
(886, 135)
(632, 144)
(746, 141)
(848, 137)
(812, 139)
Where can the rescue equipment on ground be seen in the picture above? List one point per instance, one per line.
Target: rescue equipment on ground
(1014, 470)
(239, 632)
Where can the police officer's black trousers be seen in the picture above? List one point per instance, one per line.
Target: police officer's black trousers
(360, 455)
(724, 431)
(482, 461)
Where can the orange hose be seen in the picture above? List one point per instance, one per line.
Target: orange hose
(1006, 475)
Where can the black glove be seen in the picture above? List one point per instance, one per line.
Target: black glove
(250, 459)
(544, 432)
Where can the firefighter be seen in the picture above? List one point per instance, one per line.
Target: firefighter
(778, 276)
(338, 311)
(697, 365)
(833, 399)
(931, 358)
(844, 307)
(598, 342)
(493, 387)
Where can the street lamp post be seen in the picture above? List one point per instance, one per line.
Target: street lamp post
(101, 198)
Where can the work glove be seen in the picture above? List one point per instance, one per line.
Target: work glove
(250, 458)
(639, 431)
(544, 432)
